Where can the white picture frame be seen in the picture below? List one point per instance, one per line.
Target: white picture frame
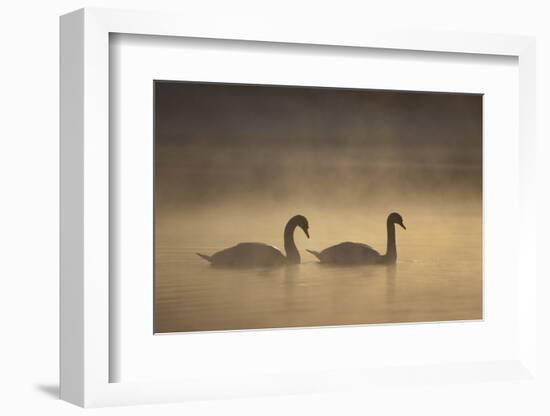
(85, 195)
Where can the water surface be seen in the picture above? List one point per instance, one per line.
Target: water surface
(437, 278)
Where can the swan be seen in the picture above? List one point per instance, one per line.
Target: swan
(260, 254)
(359, 253)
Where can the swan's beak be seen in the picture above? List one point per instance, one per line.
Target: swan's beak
(402, 225)
(306, 232)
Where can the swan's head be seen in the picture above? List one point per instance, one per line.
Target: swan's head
(301, 221)
(395, 218)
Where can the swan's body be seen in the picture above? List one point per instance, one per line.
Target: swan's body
(260, 254)
(359, 253)
(247, 254)
(348, 253)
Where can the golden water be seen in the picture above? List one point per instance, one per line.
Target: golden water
(438, 275)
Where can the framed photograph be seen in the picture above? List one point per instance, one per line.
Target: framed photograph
(236, 162)
(264, 213)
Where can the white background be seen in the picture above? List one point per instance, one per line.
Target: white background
(29, 209)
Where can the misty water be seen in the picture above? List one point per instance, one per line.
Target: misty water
(437, 277)
(234, 162)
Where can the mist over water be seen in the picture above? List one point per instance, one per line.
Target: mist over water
(437, 275)
(234, 163)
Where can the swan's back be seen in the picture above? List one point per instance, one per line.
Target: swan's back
(249, 254)
(349, 253)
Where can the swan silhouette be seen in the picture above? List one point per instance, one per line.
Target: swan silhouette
(260, 254)
(359, 253)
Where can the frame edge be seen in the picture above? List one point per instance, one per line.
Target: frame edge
(71, 221)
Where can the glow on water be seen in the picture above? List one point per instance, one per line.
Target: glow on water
(438, 275)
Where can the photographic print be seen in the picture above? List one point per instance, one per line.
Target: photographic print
(290, 206)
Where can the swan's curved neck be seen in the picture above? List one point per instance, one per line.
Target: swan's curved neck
(391, 250)
(292, 254)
